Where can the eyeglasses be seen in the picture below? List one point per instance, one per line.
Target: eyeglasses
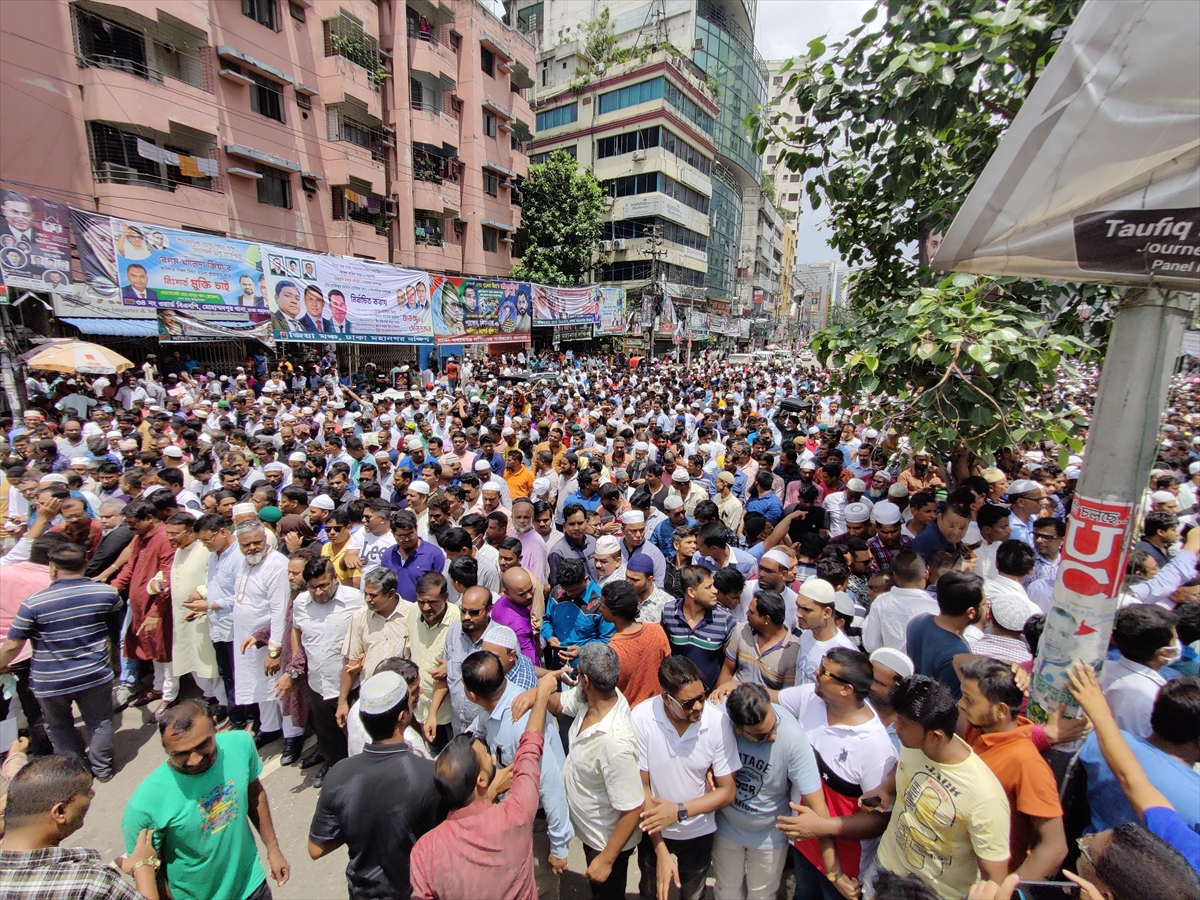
(760, 738)
(695, 703)
(822, 671)
(1046, 537)
(333, 529)
(1086, 853)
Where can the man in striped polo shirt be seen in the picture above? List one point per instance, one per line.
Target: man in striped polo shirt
(697, 626)
(67, 624)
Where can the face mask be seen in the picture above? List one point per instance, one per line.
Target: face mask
(1172, 653)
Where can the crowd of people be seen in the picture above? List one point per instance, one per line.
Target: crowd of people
(716, 616)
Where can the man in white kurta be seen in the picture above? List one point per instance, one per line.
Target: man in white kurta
(260, 601)
(191, 648)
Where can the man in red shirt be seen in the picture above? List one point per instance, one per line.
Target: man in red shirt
(452, 374)
(491, 844)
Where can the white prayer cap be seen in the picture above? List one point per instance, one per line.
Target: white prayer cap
(870, 434)
(894, 660)
(274, 467)
(383, 454)
(856, 484)
(608, 545)
(641, 445)
(244, 509)
(633, 517)
(54, 478)
(899, 489)
(1163, 497)
(541, 487)
(673, 502)
(886, 513)
(857, 512)
(112, 434)
(778, 556)
(1072, 473)
(323, 501)
(297, 457)
(1023, 486)
(681, 476)
(419, 487)
(81, 461)
(501, 636)
(414, 443)
(492, 486)
(381, 692)
(482, 465)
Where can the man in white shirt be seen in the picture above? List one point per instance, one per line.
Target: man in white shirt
(887, 622)
(321, 617)
(680, 738)
(1145, 635)
(995, 528)
(815, 614)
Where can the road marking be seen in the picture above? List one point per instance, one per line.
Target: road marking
(273, 763)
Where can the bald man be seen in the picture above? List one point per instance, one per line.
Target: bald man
(515, 608)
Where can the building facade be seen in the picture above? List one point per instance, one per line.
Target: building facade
(717, 36)
(783, 106)
(383, 129)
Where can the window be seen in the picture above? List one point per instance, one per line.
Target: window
(266, 97)
(296, 10)
(491, 184)
(455, 43)
(104, 44)
(570, 150)
(649, 182)
(487, 61)
(345, 36)
(427, 228)
(792, 198)
(530, 18)
(795, 177)
(116, 159)
(275, 187)
(489, 123)
(771, 160)
(491, 240)
(355, 202)
(778, 80)
(303, 100)
(642, 227)
(689, 108)
(560, 115)
(643, 92)
(655, 136)
(546, 74)
(352, 127)
(264, 12)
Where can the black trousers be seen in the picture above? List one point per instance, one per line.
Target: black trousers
(441, 738)
(322, 715)
(238, 715)
(614, 887)
(39, 739)
(694, 857)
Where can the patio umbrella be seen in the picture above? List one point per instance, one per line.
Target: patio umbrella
(77, 358)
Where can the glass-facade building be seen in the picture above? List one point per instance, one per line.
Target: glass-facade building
(726, 53)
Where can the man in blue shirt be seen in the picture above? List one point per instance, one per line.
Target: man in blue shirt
(662, 538)
(588, 495)
(573, 613)
(485, 685)
(697, 626)
(762, 499)
(948, 529)
(412, 556)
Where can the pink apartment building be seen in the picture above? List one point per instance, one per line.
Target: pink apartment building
(378, 128)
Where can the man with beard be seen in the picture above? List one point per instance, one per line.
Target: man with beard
(261, 596)
(200, 803)
(533, 547)
(921, 475)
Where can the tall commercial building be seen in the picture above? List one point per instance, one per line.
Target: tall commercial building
(717, 36)
(384, 129)
(788, 186)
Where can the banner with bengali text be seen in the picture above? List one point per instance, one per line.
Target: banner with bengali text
(554, 307)
(613, 319)
(481, 311)
(315, 297)
(175, 326)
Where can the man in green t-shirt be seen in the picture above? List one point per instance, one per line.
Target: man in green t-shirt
(200, 804)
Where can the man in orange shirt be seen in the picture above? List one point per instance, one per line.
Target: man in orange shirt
(517, 474)
(641, 647)
(1001, 738)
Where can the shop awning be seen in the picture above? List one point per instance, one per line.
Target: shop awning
(129, 328)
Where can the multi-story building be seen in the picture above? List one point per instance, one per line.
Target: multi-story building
(718, 37)
(783, 107)
(384, 129)
(817, 287)
(645, 127)
(762, 260)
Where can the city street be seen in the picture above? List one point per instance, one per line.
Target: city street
(293, 799)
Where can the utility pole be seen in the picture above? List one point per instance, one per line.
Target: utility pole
(656, 250)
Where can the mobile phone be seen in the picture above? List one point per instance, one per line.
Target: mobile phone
(871, 802)
(1048, 890)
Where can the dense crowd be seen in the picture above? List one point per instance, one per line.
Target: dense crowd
(713, 615)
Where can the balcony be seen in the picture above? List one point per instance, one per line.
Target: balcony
(113, 95)
(445, 257)
(433, 125)
(435, 58)
(187, 207)
(128, 42)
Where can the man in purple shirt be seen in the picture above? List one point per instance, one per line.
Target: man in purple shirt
(514, 608)
(412, 557)
(533, 546)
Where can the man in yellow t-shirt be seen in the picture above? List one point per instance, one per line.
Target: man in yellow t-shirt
(517, 474)
(951, 818)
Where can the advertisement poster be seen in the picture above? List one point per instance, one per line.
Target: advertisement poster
(179, 327)
(35, 242)
(479, 311)
(557, 306)
(612, 311)
(1084, 606)
(343, 300)
(97, 251)
(162, 268)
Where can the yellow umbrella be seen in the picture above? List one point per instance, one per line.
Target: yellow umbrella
(77, 358)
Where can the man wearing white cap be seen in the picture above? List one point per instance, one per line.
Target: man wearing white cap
(633, 540)
(380, 801)
(607, 560)
(416, 456)
(814, 614)
(835, 504)
(1187, 490)
(1024, 503)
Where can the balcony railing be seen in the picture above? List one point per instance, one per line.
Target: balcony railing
(104, 44)
(346, 38)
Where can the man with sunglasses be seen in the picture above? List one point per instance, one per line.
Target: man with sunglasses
(680, 738)
(778, 766)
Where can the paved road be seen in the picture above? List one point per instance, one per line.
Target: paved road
(293, 798)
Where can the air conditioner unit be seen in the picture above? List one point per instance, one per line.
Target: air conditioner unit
(639, 155)
(606, 246)
(620, 244)
(698, 44)
(598, 69)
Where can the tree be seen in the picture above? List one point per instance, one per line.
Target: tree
(561, 207)
(901, 120)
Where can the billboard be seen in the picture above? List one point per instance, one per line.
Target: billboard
(613, 319)
(180, 327)
(35, 242)
(336, 299)
(554, 307)
(481, 311)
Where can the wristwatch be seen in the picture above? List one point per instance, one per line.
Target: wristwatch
(683, 813)
(152, 861)
(834, 876)
(274, 652)
(293, 674)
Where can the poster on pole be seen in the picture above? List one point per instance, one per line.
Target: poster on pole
(481, 311)
(97, 251)
(613, 319)
(1084, 606)
(554, 307)
(180, 327)
(35, 242)
(314, 297)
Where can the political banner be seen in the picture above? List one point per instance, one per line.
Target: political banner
(481, 311)
(554, 307)
(344, 300)
(97, 252)
(179, 327)
(613, 319)
(35, 242)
